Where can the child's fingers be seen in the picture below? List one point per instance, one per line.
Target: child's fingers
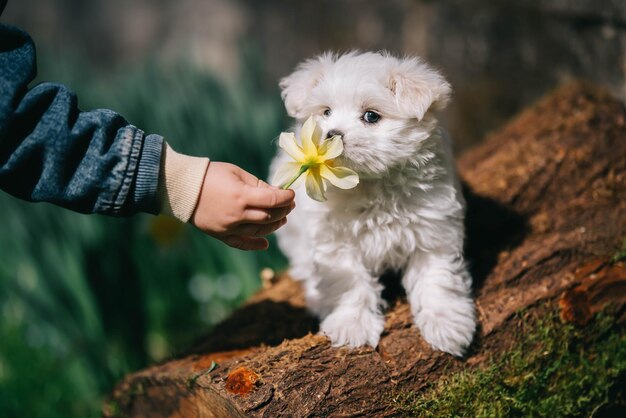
(261, 194)
(252, 180)
(263, 197)
(247, 178)
(259, 230)
(246, 243)
(266, 216)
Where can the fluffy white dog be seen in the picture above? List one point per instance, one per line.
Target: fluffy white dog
(406, 214)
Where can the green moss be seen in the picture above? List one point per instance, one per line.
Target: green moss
(555, 370)
(113, 409)
(621, 254)
(192, 380)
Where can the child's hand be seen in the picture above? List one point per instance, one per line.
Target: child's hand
(239, 209)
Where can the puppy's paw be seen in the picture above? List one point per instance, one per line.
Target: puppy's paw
(450, 328)
(353, 327)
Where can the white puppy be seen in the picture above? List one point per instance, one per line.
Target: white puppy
(406, 214)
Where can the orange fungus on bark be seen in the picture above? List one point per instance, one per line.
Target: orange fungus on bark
(241, 381)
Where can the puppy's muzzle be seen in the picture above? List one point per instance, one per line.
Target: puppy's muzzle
(333, 132)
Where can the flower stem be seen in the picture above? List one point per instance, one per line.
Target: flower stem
(304, 168)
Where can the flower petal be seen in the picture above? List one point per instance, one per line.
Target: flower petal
(316, 137)
(331, 148)
(286, 173)
(306, 136)
(287, 141)
(315, 186)
(341, 177)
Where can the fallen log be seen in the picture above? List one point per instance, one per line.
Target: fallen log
(546, 211)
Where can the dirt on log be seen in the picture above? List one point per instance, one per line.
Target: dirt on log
(546, 210)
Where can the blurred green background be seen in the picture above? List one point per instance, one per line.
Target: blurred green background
(87, 299)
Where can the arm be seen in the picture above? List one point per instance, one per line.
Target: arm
(90, 162)
(96, 162)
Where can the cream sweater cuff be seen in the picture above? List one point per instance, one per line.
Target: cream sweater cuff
(180, 183)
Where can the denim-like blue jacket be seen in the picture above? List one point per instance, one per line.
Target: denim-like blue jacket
(51, 151)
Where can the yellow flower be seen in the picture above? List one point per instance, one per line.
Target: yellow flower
(315, 158)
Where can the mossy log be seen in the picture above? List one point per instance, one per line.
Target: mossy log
(546, 212)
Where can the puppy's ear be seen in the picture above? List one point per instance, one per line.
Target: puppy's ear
(296, 87)
(418, 88)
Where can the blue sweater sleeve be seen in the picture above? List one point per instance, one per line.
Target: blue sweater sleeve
(90, 162)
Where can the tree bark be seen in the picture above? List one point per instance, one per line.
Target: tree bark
(546, 210)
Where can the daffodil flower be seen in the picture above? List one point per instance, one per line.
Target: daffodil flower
(315, 158)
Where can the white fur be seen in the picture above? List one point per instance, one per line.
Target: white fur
(406, 214)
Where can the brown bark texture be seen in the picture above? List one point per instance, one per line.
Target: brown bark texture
(546, 210)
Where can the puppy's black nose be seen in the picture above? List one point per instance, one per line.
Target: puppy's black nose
(333, 132)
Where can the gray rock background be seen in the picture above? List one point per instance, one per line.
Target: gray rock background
(499, 55)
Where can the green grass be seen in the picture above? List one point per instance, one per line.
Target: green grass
(85, 299)
(554, 370)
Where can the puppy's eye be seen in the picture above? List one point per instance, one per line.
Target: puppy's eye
(371, 117)
(327, 112)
